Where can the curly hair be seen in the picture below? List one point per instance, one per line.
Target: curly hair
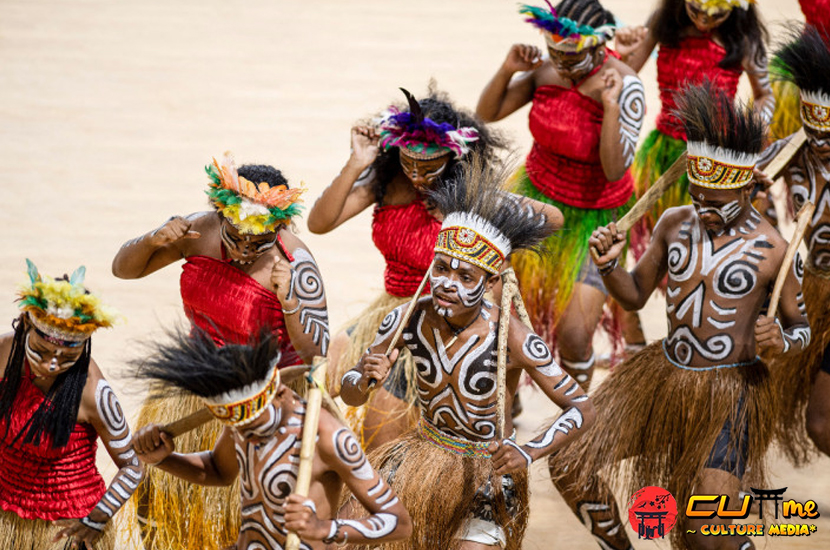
(438, 107)
(262, 172)
(743, 33)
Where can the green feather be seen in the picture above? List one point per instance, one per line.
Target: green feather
(34, 276)
(78, 276)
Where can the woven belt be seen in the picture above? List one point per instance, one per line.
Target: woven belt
(456, 445)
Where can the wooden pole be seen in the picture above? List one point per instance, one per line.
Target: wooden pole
(508, 290)
(307, 445)
(805, 215)
(776, 165)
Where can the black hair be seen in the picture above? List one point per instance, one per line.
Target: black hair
(585, 12)
(262, 172)
(58, 413)
(478, 189)
(710, 115)
(192, 363)
(438, 107)
(804, 59)
(742, 33)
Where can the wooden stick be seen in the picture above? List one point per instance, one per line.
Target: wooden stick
(508, 290)
(805, 215)
(518, 303)
(307, 445)
(779, 162)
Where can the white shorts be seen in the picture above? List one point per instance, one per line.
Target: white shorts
(483, 532)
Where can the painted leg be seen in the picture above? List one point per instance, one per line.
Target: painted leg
(595, 508)
(575, 332)
(818, 412)
(715, 482)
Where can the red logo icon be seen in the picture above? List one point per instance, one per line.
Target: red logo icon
(652, 512)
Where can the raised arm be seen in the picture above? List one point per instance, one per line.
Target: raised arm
(299, 288)
(624, 106)
(349, 194)
(756, 69)
(634, 44)
(789, 332)
(529, 352)
(504, 94)
(100, 406)
(387, 521)
(160, 247)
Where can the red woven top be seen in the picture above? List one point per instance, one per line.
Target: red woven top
(564, 162)
(231, 306)
(694, 59)
(405, 234)
(38, 481)
(816, 12)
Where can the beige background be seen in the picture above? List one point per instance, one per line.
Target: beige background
(109, 110)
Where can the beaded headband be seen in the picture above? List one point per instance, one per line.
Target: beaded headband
(244, 405)
(473, 239)
(718, 168)
(564, 34)
(815, 111)
(253, 209)
(711, 7)
(62, 311)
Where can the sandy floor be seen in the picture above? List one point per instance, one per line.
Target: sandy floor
(108, 111)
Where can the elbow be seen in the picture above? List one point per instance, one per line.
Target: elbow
(589, 414)
(615, 173)
(316, 225)
(404, 530)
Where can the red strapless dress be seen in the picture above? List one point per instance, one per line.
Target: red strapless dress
(405, 234)
(38, 481)
(694, 59)
(231, 306)
(817, 13)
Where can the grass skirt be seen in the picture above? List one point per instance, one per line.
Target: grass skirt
(362, 331)
(183, 515)
(547, 281)
(794, 375)
(665, 421)
(17, 533)
(438, 487)
(654, 157)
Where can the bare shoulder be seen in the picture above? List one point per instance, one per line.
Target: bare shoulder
(293, 244)
(95, 389)
(334, 440)
(204, 220)
(523, 343)
(623, 69)
(673, 218)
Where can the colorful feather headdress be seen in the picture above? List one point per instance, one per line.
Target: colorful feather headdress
(62, 310)
(420, 135)
(252, 208)
(712, 7)
(565, 34)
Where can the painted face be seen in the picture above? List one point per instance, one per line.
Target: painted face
(705, 22)
(718, 208)
(819, 141)
(423, 172)
(245, 249)
(47, 359)
(457, 286)
(575, 65)
(264, 427)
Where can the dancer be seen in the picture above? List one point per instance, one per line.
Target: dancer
(714, 40)
(587, 110)
(694, 412)
(54, 405)
(244, 271)
(260, 443)
(463, 486)
(805, 379)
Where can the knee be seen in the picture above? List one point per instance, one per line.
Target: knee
(575, 345)
(818, 428)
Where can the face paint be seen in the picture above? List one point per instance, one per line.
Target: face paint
(245, 249)
(572, 65)
(37, 359)
(469, 297)
(423, 172)
(264, 427)
(727, 213)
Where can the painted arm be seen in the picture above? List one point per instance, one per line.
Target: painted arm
(504, 95)
(529, 352)
(159, 248)
(553, 216)
(343, 200)
(387, 521)
(756, 70)
(299, 288)
(374, 365)
(624, 106)
(107, 417)
(789, 332)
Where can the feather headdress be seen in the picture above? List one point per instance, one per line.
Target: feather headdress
(421, 135)
(724, 139)
(564, 34)
(482, 223)
(254, 208)
(805, 61)
(62, 310)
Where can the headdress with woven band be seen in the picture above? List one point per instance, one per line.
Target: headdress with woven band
(62, 310)
(711, 7)
(253, 208)
(482, 223)
(564, 34)
(724, 139)
(243, 405)
(805, 61)
(421, 136)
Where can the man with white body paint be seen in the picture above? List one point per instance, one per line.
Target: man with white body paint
(693, 412)
(261, 442)
(452, 472)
